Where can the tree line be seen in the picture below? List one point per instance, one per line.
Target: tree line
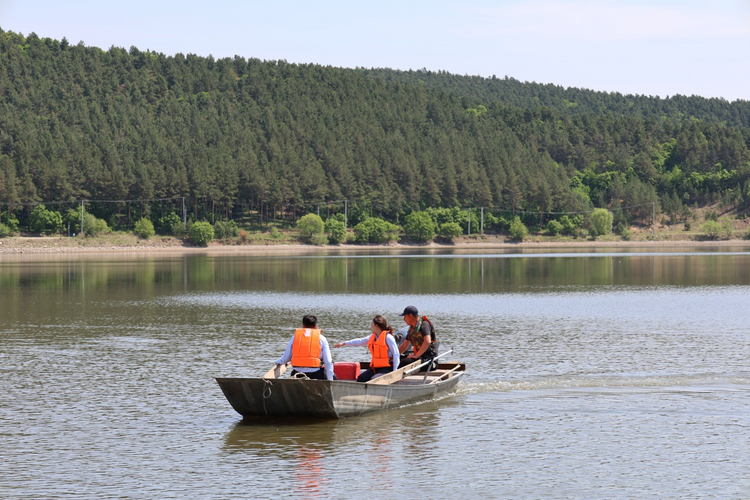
(234, 134)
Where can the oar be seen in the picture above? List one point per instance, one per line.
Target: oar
(276, 371)
(407, 370)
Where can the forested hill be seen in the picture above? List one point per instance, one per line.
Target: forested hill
(80, 122)
(572, 100)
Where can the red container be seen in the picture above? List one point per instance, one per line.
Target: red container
(346, 371)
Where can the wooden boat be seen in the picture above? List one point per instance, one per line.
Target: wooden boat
(271, 396)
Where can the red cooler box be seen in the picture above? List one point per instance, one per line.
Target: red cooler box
(346, 371)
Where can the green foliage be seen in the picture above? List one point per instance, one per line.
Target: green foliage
(554, 227)
(319, 239)
(228, 229)
(450, 230)
(201, 233)
(93, 226)
(230, 131)
(45, 221)
(10, 221)
(144, 228)
(518, 230)
(727, 229)
(334, 228)
(4, 231)
(170, 224)
(746, 236)
(688, 225)
(601, 222)
(309, 225)
(419, 226)
(570, 225)
(711, 230)
(711, 215)
(275, 233)
(376, 230)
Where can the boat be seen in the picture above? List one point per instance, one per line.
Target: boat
(272, 396)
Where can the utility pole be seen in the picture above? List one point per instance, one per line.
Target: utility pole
(346, 213)
(481, 227)
(184, 215)
(81, 232)
(469, 231)
(653, 218)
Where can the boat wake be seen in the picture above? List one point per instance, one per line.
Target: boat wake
(696, 382)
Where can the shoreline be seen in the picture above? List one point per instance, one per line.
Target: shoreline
(60, 245)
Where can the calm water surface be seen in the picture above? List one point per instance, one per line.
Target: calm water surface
(594, 374)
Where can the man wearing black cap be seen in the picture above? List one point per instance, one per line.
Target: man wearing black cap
(421, 336)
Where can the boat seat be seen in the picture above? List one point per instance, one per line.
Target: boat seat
(417, 380)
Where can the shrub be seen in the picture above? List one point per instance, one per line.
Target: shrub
(711, 230)
(727, 229)
(375, 230)
(450, 230)
(419, 226)
(45, 221)
(10, 221)
(601, 221)
(170, 224)
(625, 234)
(518, 230)
(226, 229)
(746, 236)
(335, 230)
(319, 239)
(688, 226)
(92, 226)
(554, 227)
(274, 233)
(243, 236)
(4, 230)
(201, 233)
(144, 228)
(711, 215)
(309, 225)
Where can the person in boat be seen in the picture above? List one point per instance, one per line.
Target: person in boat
(308, 350)
(383, 349)
(420, 336)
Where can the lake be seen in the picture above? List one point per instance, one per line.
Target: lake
(591, 373)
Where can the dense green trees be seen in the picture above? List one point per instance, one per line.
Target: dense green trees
(230, 135)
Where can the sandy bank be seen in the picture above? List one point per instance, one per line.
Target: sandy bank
(165, 245)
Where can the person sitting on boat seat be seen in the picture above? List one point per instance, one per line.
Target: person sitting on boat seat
(306, 349)
(382, 346)
(420, 336)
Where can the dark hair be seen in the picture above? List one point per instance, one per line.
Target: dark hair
(382, 323)
(309, 321)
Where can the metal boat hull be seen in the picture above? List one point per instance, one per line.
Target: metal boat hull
(257, 397)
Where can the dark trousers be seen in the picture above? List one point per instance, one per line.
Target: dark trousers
(316, 375)
(426, 357)
(369, 373)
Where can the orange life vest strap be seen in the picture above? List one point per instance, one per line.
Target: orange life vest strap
(306, 350)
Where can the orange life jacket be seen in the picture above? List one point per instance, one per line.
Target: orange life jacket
(379, 351)
(306, 348)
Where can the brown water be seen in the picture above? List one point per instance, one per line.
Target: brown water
(594, 374)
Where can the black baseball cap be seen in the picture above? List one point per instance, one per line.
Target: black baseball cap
(410, 310)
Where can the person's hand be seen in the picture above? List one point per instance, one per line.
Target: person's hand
(340, 344)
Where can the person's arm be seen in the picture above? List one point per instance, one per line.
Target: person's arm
(327, 362)
(393, 351)
(354, 342)
(404, 345)
(287, 356)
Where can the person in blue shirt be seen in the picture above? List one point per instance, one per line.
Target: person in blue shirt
(307, 350)
(382, 346)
